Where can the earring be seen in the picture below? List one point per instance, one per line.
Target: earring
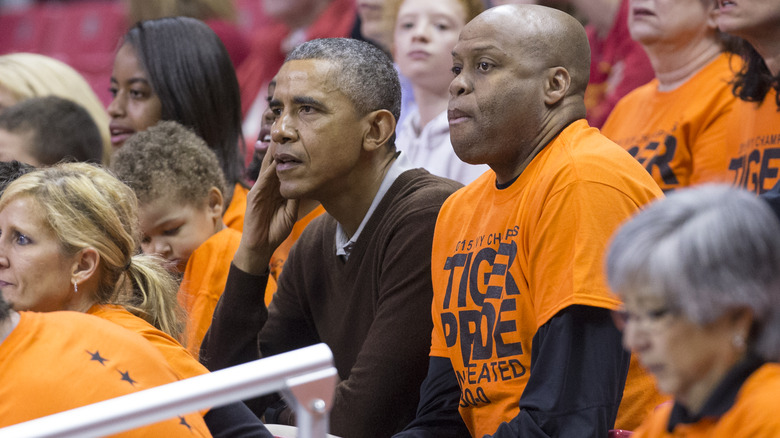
(75, 287)
(738, 341)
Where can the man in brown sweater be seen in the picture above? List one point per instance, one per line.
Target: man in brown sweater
(359, 277)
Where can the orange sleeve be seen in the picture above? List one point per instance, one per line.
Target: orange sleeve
(203, 284)
(709, 150)
(567, 245)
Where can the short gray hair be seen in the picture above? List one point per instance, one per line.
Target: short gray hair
(366, 74)
(705, 251)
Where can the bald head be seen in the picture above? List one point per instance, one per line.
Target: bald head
(530, 59)
(549, 36)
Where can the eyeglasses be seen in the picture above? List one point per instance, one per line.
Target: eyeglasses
(650, 320)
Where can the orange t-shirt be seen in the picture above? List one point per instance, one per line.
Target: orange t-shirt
(182, 362)
(203, 284)
(55, 361)
(506, 261)
(755, 131)
(679, 135)
(753, 415)
(233, 217)
(280, 255)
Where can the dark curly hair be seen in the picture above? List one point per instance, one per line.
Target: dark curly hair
(10, 171)
(754, 81)
(168, 161)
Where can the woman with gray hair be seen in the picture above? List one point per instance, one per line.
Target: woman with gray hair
(699, 273)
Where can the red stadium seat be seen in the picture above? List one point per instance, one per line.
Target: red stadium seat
(83, 29)
(22, 30)
(251, 16)
(86, 35)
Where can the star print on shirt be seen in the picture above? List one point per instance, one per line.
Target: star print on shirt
(97, 357)
(183, 422)
(126, 377)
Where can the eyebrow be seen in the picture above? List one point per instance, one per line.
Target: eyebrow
(132, 81)
(482, 48)
(165, 222)
(299, 100)
(434, 15)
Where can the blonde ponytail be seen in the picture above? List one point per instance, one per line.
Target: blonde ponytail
(152, 294)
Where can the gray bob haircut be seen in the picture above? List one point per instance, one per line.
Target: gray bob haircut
(705, 251)
(366, 74)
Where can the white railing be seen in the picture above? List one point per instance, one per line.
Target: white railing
(305, 376)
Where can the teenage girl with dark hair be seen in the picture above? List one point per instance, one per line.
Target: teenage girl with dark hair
(177, 69)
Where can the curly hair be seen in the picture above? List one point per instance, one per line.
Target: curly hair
(10, 171)
(168, 161)
(754, 81)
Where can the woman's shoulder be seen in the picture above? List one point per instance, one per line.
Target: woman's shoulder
(754, 413)
(763, 385)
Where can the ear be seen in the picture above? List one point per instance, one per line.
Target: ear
(85, 265)
(215, 205)
(381, 126)
(556, 85)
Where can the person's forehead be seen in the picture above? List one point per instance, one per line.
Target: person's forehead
(16, 142)
(496, 35)
(641, 300)
(163, 208)
(27, 207)
(312, 76)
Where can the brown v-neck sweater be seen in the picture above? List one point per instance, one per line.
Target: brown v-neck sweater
(373, 310)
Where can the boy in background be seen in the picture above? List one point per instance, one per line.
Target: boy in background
(42, 131)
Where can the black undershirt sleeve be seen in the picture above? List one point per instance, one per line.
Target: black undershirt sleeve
(772, 197)
(235, 420)
(437, 412)
(578, 371)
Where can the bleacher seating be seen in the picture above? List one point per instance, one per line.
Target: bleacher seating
(83, 34)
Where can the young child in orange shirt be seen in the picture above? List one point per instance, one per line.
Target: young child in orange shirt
(179, 184)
